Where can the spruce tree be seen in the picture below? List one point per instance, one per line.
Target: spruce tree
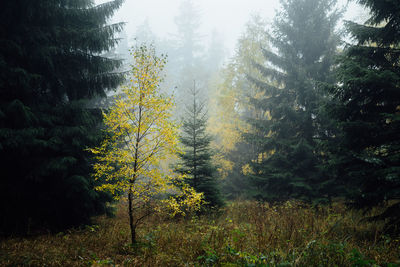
(196, 160)
(288, 159)
(50, 65)
(367, 152)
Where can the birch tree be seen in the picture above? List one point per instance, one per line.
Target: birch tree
(141, 135)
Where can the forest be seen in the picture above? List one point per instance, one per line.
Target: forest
(122, 149)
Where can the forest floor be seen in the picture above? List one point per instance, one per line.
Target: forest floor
(242, 234)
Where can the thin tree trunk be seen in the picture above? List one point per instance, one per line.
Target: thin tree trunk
(133, 179)
(131, 225)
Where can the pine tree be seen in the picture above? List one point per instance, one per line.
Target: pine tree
(367, 153)
(50, 64)
(286, 131)
(196, 159)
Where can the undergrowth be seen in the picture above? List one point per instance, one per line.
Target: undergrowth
(241, 234)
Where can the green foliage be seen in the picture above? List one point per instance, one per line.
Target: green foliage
(50, 65)
(196, 159)
(358, 260)
(366, 152)
(286, 132)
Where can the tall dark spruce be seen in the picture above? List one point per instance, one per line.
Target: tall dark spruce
(50, 65)
(289, 158)
(367, 153)
(196, 159)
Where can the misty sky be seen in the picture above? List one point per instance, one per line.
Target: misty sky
(227, 17)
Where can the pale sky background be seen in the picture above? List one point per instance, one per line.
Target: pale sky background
(227, 17)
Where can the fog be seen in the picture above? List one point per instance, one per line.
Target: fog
(200, 133)
(225, 17)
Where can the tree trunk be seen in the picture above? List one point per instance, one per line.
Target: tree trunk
(131, 225)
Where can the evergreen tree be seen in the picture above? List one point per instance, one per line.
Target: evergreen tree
(187, 54)
(196, 159)
(188, 42)
(367, 153)
(50, 64)
(286, 131)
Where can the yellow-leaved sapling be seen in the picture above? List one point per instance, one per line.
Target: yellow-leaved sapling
(141, 134)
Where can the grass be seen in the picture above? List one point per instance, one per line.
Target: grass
(242, 234)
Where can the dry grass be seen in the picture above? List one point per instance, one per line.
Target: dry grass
(243, 234)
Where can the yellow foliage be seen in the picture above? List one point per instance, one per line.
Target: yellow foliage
(224, 165)
(265, 155)
(141, 134)
(191, 201)
(230, 96)
(246, 169)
